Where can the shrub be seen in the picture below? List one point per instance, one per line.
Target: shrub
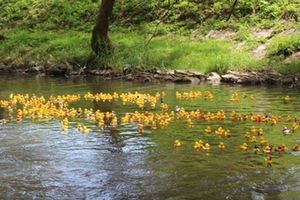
(284, 46)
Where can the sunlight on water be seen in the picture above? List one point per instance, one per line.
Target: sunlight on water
(41, 160)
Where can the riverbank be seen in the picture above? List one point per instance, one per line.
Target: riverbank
(223, 63)
(156, 75)
(217, 51)
(50, 39)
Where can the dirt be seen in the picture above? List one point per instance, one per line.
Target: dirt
(263, 34)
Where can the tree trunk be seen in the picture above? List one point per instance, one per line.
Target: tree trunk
(100, 42)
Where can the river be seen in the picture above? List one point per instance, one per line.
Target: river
(49, 158)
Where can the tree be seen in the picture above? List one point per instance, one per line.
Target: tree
(100, 41)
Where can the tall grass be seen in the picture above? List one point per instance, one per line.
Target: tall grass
(60, 31)
(41, 46)
(174, 52)
(287, 68)
(284, 46)
(133, 49)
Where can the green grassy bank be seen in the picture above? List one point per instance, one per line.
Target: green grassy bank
(58, 31)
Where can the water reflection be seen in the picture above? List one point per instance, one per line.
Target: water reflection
(40, 161)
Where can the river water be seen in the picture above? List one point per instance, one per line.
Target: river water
(125, 160)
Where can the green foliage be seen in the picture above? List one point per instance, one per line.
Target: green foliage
(291, 11)
(286, 68)
(174, 52)
(49, 46)
(279, 27)
(265, 23)
(269, 10)
(60, 30)
(284, 46)
(244, 33)
(215, 24)
(48, 15)
(80, 15)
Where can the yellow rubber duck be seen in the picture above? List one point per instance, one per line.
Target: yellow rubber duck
(262, 141)
(253, 129)
(221, 146)
(177, 143)
(101, 123)
(287, 98)
(141, 128)
(228, 133)
(219, 132)
(295, 126)
(196, 145)
(247, 135)
(79, 127)
(244, 146)
(207, 146)
(85, 130)
(253, 140)
(273, 122)
(267, 150)
(268, 159)
(284, 148)
(201, 143)
(260, 132)
(154, 127)
(191, 125)
(256, 149)
(208, 130)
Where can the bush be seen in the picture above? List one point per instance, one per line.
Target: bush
(284, 46)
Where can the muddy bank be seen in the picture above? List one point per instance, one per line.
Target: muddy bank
(155, 75)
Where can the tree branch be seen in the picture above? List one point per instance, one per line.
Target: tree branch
(160, 20)
(232, 9)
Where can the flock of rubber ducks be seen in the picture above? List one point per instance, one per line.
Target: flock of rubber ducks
(245, 146)
(19, 107)
(255, 118)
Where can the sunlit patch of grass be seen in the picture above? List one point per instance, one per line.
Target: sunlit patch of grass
(45, 46)
(133, 49)
(173, 52)
(284, 46)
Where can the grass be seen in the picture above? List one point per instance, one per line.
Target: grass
(133, 49)
(58, 32)
(284, 46)
(175, 52)
(40, 47)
